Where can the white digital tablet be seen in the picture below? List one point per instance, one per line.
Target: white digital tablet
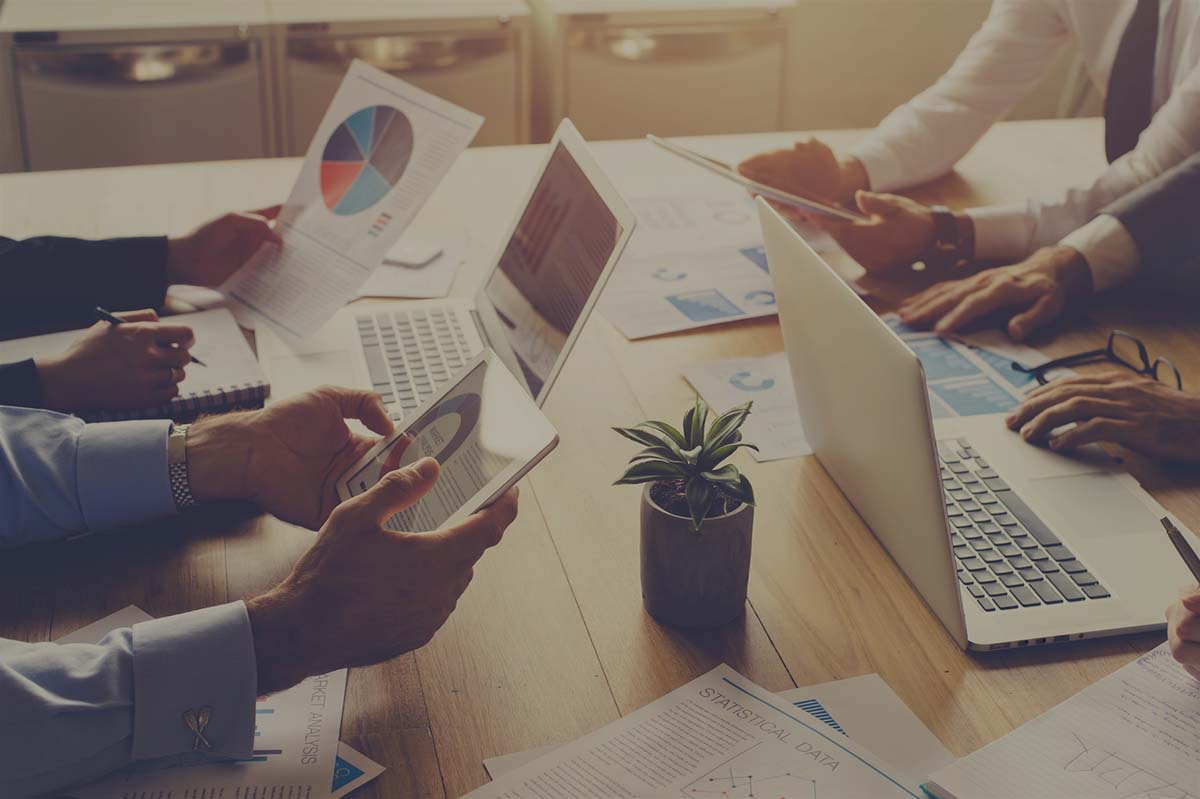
(484, 430)
(770, 192)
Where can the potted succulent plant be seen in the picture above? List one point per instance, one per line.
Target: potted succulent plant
(697, 517)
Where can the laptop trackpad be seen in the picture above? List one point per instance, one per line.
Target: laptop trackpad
(1098, 505)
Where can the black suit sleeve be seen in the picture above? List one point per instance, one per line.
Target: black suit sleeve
(20, 385)
(52, 283)
(1161, 217)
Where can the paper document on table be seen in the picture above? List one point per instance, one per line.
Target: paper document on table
(430, 281)
(864, 708)
(774, 422)
(719, 733)
(1136, 733)
(654, 294)
(380, 151)
(868, 710)
(695, 218)
(971, 375)
(295, 744)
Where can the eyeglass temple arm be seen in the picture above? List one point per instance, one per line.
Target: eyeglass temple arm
(1067, 360)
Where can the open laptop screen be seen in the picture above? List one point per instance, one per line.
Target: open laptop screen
(550, 266)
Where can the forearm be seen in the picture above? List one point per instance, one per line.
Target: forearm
(54, 283)
(76, 712)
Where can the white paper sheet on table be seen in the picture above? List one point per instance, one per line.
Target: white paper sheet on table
(379, 152)
(708, 735)
(864, 708)
(431, 281)
(774, 422)
(307, 717)
(1136, 733)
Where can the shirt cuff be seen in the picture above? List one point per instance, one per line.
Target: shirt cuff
(121, 473)
(1001, 232)
(184, 664)
(20, 384)
(1111, 253)
(883, 170)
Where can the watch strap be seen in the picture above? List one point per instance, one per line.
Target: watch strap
(177, 467)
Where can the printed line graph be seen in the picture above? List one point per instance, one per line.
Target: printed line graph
(795, 787)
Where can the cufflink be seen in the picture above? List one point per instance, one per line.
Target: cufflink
(197, 722)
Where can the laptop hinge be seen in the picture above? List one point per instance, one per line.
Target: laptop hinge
(483, 336)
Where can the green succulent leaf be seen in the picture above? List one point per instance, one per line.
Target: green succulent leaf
(649, 471)
(726, 425)
(714, 458)
(727, 475)
(742, 490)
(700, 496)
(670, 430)
(643, 437)
(658, 452)
(693, 423)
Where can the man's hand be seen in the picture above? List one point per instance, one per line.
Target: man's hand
(809, 169)
(211, 253)
(364, 594)
(118, 367)
(1183, 630)
(285, 458)
(1121, 408)
(899, 232)
(1028, 295)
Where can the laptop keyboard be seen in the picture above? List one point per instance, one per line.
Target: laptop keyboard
(1006, 556)
(412, 353)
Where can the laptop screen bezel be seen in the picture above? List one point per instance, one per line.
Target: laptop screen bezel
(577, 148)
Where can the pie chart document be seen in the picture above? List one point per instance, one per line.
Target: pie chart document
(378, 154)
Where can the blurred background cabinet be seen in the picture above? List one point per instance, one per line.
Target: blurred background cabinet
(625, 69)
(476, 55)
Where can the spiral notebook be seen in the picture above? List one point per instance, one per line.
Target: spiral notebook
(230, 380)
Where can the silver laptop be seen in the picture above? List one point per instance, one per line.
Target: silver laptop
(1009, 544)
(543, 284)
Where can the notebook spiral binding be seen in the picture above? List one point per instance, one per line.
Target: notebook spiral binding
(246, 396)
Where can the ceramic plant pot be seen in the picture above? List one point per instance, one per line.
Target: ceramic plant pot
(695, 578)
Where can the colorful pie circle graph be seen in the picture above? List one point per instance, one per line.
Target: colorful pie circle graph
(364, 158)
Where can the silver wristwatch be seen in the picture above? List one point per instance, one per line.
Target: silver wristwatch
(177, 467)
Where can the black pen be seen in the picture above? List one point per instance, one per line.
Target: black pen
(1183, 547)
(114, 320)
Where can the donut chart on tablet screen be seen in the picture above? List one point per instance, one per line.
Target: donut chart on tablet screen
(365, 156)
(446, 427)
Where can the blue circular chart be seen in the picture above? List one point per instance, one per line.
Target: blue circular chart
(365, 156)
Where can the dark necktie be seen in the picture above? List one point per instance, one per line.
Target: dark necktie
(1127, 108)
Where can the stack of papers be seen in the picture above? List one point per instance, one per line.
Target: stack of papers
(305, 718)
(718, 735)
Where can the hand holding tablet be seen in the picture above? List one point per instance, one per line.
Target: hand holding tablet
(484, 430)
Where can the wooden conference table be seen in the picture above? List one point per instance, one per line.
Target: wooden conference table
(551, 641)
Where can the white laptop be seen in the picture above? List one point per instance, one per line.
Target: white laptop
(544, 282)
(1009, 544)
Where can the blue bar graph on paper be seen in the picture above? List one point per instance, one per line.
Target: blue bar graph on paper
(817, 710)
(704, 306)
(940, 360)
(757, 256)
(974, 397)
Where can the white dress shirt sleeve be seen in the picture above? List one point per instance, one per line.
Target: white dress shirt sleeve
(924, 138)
(1012, 232)
(75, 712)
(1111, 253)
(60, 477)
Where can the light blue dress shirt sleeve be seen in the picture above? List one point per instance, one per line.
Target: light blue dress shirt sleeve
(60, 477)
(72, 713)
